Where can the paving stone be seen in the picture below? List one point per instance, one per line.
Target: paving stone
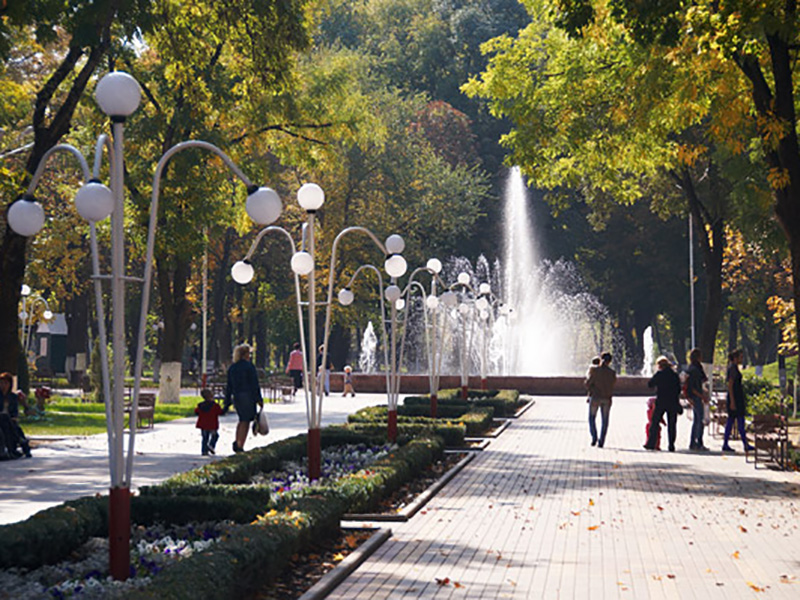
(542, 514)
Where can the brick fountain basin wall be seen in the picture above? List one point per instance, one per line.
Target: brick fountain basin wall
(542, 386)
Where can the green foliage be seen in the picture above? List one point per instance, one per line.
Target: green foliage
(767, 401)
(754, 386)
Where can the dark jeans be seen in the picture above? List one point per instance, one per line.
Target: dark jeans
(605, 408)
(655, 425)
(729, 428)
(698, 413)
(210, 437)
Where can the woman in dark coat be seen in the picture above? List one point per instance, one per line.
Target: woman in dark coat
(737, 408)
(668, 390)
(244, 392)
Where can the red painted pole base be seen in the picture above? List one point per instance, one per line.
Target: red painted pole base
(314, 454)
(434, 405)
(484, 383)
(393, 426)
(464, 394)
(119, 533)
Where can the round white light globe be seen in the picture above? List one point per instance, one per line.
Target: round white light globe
(432, 302)
(484, 288)
(242, 272)
(395, 265)
(94, 201)
(463, 278)
(449, 298)
(25, 290)
(399, 304)
(482, 303)
(310, 196)
(26, 217)
(504, 309)
(395, 244)
(435, 265)
(346, 297)
(118, 94)
(47, 315)
(23, 315)
(264, 205)
(463, 308)
(392, 293)
(484, 314)
(302, 263)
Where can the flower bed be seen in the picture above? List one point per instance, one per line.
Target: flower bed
(245, 555)
(474, 422)
(504, 402)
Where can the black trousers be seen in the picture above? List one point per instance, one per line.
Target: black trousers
(655, 423)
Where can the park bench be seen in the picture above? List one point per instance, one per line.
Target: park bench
(770, 440)
(145, 415)
(281, 389)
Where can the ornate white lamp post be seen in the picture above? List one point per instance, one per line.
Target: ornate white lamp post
(118, 95)
(27, 314)
(311, 197)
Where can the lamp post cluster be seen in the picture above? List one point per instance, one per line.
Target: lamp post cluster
(27, 314)
(118, 95)
(311, 197)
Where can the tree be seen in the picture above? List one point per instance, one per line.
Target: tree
(87, 31)
(614, 123)
(760, 41)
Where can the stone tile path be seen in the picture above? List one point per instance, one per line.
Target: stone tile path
(542, 514)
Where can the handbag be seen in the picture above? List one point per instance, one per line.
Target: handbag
(261, 423)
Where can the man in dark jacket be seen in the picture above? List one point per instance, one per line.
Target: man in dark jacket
(600, 383)
(668, 391)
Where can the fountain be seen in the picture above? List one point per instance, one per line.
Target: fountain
(647, 340)
(367, 360)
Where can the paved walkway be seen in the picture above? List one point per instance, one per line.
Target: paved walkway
(78, 466)
(542, 514)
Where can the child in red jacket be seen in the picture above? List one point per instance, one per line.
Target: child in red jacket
(208, 412)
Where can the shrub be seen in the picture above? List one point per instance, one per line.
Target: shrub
(766, 402)
(754, 386)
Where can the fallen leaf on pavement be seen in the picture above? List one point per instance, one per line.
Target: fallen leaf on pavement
(591, 502)
(457, 585)
(742, 529)
(338, 557)
(755, 587)
(670, 576)
(445, 581)
(593, 527)
(735, 554)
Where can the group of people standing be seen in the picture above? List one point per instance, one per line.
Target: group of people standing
(601, 378)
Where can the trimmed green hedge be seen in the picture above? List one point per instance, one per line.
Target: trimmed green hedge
(256, 553)
(475, 422)
(504, 402)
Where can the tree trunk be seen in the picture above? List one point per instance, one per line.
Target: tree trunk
(733, 330)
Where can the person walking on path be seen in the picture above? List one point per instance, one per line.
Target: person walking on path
(737, 406)
(668, 391)
(295, 366)
(208, 413)
(600, 384)
(244, 392)
(348, 381)
(696, 394)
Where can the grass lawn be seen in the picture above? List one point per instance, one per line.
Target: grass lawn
(771, 370)
(70, 416)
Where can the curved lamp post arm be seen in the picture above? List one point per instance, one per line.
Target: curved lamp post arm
(148, 269)
(377, 271)
(409, 287)
(103, 140)
(315, 416)
(297, 292)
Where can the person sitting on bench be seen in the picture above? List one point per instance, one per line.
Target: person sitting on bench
(9, 413)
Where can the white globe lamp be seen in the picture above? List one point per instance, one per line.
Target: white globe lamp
(25, 290)
(395, 244)
(482, 303)
(392, 293)
(432, 302)
(302, 263)
(47, 315)
(118, 94)
(395, 265)
(310, 196)
(435, 265)
(463, 308)
(94, 201)
(400, 304)
(449, 298)
(26, 216)
(242, 272)
(484, 288)
(263, 205)
(346, 297)
(463, 278)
